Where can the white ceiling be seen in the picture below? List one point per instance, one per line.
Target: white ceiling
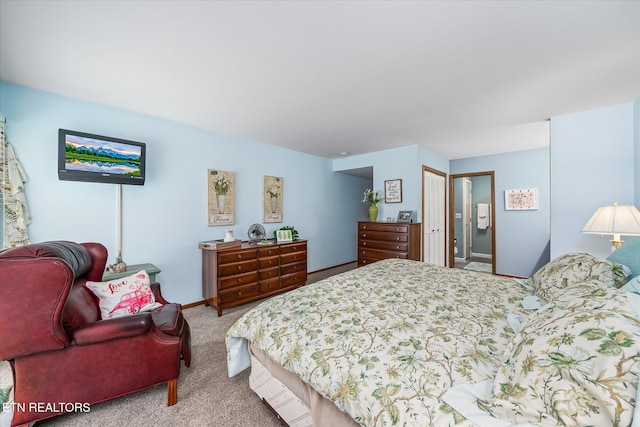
(461, 78)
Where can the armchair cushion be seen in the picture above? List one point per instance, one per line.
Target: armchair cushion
(124, 296)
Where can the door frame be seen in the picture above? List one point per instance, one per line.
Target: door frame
(452, 177)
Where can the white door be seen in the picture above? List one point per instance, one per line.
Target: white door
(433, 217)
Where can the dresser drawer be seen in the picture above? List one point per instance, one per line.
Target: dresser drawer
(380, 235)
(293, 257)
(378, 254)
(225, 270)
(268, 251)
(294, 280)
(226, 257)
(269, 273)
(376, 244)
(293, 247)
(386, 227)
(238, 280)
(238, 293)
(270, 285)
(273, 261)
(293, 268)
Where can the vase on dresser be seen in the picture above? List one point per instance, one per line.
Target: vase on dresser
(373, 212)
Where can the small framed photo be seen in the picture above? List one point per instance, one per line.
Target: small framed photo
(284, 236)
(393, 191)
(404, 216)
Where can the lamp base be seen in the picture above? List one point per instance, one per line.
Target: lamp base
(615, 244)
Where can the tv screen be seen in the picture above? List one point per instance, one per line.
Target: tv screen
(94, 158)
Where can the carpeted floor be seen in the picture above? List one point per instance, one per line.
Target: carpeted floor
(206, 395)
(479, 266)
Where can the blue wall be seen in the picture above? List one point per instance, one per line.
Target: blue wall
(164, 220)
(522, 237)
(595, 159)
(403, 163)
(593, 163)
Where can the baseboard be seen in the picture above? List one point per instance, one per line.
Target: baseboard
(480, 255)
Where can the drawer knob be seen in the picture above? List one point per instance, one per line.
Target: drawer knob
(239, 256)
(398, 238)
(397, 247)
(270, 262)
(364, 244)
(364, 235)
(239, 280)
(239, 267)
(240, 293)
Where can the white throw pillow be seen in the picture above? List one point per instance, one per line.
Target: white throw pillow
(124, 296)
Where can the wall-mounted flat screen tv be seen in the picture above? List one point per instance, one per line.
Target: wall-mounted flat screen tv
(95, 158)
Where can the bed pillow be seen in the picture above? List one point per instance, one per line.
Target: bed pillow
(124, 296)
(628, 254)
(573, 268)
(574, 362)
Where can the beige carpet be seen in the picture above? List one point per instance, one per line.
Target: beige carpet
(206, 394)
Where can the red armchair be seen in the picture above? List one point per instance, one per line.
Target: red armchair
(60, 350)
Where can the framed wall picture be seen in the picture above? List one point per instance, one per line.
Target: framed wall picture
(273, 194)
(220, 197)
(393, 191)
(404, 216)
(521, 199)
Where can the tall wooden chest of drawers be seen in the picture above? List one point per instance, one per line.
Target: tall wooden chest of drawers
(232, 277)
(382, 240)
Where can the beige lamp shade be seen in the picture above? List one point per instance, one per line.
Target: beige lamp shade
(616, 220)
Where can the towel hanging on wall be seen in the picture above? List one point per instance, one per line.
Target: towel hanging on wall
(483, 216)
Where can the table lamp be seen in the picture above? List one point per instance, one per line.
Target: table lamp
(617, 220)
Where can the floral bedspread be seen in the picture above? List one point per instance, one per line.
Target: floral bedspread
(385, 341)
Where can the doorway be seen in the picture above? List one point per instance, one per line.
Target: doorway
(472, 221)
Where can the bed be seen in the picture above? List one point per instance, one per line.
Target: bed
(406, 343)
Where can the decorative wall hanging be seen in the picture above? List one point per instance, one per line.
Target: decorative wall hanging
(273, 195)
(221, 195)
(393, 191)
(521, 199)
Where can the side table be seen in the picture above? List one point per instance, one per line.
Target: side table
(151, 270)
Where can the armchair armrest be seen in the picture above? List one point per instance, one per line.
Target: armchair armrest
(155, 288)
(111, 329)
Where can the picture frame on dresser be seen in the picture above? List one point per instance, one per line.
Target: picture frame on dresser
(404, 216)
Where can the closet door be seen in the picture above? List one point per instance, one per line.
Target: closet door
(433, 216)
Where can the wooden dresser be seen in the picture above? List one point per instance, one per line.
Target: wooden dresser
(382, 240)
(232, 277)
